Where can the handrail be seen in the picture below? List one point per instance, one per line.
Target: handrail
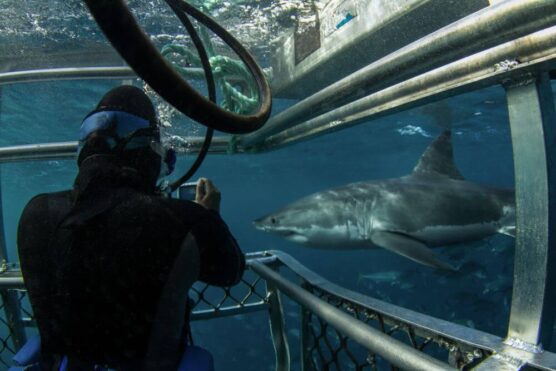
(41, 151)
(429, 325)
(534, 52)
(340, 316)
(423, 325)
(488, 27)
(68, 150)
(394, 351)
(75, 73)
(68, 73)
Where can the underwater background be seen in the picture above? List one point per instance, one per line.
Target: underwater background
(252, 185)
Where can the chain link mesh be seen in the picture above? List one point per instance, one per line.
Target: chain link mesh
(250, 291)
(327, 349)
(7, 346)
(324, 347)
(210, 301)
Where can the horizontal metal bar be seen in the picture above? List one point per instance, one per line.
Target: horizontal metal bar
(88, 73)
(28, 322)
(533, 52)
(424, 325)
(73, 73)
(42, 151)
(491, 26)
(66, 74)
(8, 282)
(228, 311)
(394, 351)
(221, 144)
(68, 150)
(261, 257)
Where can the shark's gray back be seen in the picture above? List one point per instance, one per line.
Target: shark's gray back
(436, 210)
(432, 206)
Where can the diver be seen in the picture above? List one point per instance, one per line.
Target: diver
(95, 258)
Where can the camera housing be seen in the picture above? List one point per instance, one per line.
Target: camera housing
(187, 191)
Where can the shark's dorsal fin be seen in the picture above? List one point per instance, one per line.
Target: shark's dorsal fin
(438, 159)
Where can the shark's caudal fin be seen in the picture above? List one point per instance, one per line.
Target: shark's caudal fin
(410, 248)
(438, 159)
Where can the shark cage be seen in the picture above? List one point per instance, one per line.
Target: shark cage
(454, 47)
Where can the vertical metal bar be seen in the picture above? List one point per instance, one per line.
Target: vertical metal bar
(532, 123)
(12, 309)
(305, 354)
(278, 328)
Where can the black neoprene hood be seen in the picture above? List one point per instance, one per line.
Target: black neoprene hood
(130, 99)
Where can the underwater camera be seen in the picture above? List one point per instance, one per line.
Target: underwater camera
(186, 191)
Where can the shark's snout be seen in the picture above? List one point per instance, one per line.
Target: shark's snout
(264, 223)
(259, 224)
(269, 220)
(272, 224)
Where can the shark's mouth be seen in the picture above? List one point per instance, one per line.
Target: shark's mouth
(278, 231)
(288, 233)
(294, 236)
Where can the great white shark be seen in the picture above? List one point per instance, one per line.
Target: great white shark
(433, 206)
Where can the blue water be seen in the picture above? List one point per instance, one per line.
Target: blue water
(255, 184)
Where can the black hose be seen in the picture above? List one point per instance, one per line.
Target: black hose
(120, 27)
(211, 86)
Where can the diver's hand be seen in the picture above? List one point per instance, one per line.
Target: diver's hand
(207, 195)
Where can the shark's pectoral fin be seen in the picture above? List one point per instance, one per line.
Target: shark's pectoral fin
(410, 248)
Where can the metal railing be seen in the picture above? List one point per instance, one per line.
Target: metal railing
(340, 329)
(532, 53)
(487, 28)
(517, 49)
(494, 45)
(68, 150)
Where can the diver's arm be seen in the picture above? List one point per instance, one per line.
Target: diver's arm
(222, 262)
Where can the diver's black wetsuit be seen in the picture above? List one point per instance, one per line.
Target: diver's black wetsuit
(94, 285)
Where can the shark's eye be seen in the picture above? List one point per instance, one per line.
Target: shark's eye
(273, 220)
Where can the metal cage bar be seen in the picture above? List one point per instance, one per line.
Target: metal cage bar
(532, 123)
(9, 299)
(77, 73)
(351, 312)
(66, 74)
(395, 352)
(277, 327)
(532, 52)
(68, 150)
(484, 29)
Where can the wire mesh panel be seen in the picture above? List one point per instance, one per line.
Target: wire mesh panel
(327, 349)
(7, 345)
(249, 294)
(208, 302)
(324, 346)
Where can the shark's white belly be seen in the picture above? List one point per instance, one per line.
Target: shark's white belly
(346, 234)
